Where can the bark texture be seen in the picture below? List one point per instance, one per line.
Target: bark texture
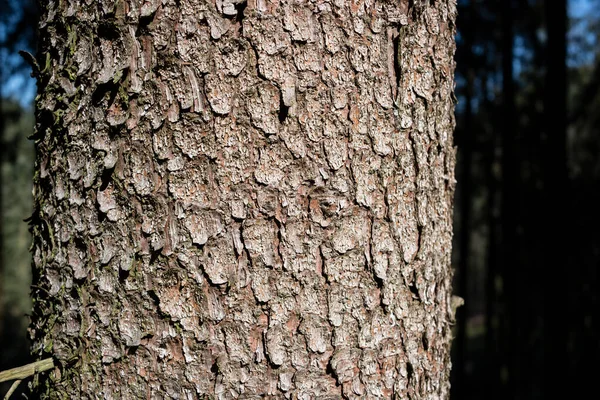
(245, 199)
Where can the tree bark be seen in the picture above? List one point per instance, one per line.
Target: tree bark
(240, 200)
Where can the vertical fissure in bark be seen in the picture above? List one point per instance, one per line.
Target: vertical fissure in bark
(240, 8)
(397, 49)
(283, 109)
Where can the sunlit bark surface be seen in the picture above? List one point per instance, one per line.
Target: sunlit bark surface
(244, 199)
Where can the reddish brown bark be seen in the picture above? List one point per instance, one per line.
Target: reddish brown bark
(237, 200)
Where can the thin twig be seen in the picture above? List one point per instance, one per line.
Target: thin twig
(26, 371)
(12, 389)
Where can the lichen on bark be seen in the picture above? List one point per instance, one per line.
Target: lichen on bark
(243, 199)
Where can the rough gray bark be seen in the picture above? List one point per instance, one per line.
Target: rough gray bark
(243, 200)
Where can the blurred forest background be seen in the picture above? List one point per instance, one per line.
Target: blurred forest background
(527, 208)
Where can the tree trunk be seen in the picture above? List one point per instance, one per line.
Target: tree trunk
(238, 200)
(508, 367)
(558, 233)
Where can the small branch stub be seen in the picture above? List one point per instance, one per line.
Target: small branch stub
(455, 302)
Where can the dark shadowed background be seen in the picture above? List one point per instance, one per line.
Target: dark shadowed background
(527, 207)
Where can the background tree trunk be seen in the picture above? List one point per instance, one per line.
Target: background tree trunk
(237, 200)
(510, 323)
